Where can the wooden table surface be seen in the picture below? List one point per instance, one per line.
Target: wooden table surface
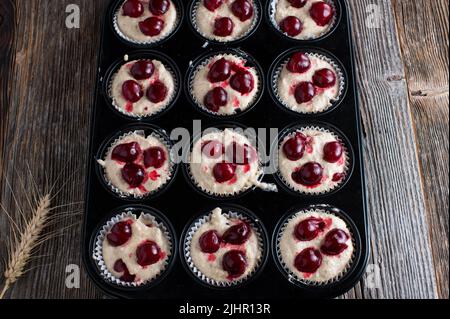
(47, 85)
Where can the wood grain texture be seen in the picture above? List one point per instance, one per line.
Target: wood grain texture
(424, 43)
(50, 72)
(396, 201)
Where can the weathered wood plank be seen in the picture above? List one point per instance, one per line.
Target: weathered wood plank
(50, 92)
(400, 235)
(424, 42)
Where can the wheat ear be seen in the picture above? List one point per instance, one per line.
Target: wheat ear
(29, 239)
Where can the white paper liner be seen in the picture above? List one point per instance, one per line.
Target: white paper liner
(97, 254)
(150, 42)
(170, 99)
(255, 183)
(205, 63)
(347, 165)
(256, 17)
(272, 11)
(194, 228)
(339, 73)
(171, 171)
(292, 277)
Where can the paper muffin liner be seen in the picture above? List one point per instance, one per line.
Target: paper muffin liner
(273, 9)
(171, 171)
(339, 73)
(347, 166)
(251, 29)
(170, 99)
(149, 42)
(97, 254)
(212, 282)
(292, 277)
(203, 64)
(257, 183)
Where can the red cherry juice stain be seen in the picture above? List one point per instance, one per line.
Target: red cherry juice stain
(142, 189)
(341, 162)
(129, 107)
(224, 84)
(212, 258)
(233, 181)
(246, 168)
(153, 175)
(307, 275)
(328, 222)
(163, 255)
(236, 102)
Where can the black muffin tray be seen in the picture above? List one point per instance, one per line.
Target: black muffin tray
(180, 203)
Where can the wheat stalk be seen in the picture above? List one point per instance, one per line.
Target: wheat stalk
(29, 240)
(28, 234)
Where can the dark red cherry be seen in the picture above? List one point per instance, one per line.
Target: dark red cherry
(241, 154)
(298, 3)
(142, 69)
(332, 152)
(237, 234)
(294, 148)
(132, 91)
(209, 242)
(234, 262)
(304, 92)
(157, 92)
(212, 5)
(133, 174)
(309, 174)
(324, 78)
(133, 8)
(151, 26)
(215, 99)
(213, 149)
(335, 242)
(299, 63)
(121, 267)
(242, 9)
(120, 233)
(224, 172)
(242, 81)
(321, 13)
(126, 153)
(159, 7)
(148, 253)
(308, 261)
(309, 229)
(219, 71)
(154, 157)
(292, 26)
(223, 27)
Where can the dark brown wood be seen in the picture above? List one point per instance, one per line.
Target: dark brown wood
(424, 42)
(47, 80)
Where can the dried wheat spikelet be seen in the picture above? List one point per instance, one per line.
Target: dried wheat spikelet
(27, 234)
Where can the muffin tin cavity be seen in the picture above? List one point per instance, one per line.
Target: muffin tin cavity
(146, 23)
(142, 85)
(137, 163)
(225, 83)
(224, 22)
(307, 82)
(304, 20)
(225, 222)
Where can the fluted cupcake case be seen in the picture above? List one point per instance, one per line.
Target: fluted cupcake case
(178, 203)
